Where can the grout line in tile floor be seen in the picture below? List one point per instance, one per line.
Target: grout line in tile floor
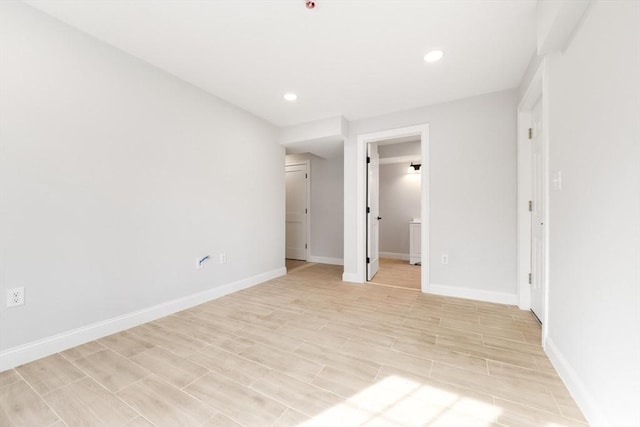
(99, 384)
(41, 397)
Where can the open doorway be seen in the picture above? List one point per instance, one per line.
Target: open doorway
(314, 210)
(398, 221)
(370, 218)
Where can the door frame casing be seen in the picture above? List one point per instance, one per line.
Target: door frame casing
(422, 131)
(369, 214)
(538, 87)
(307, 164)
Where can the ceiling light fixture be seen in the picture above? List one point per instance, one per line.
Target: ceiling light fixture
(433, 56)
(310, 4)
(290, 96)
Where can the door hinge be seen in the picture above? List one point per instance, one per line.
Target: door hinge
(530, 133)
(368, 260)
(530, 280)
(305, 210)
(368, 209)
(368, 159)
(306, 176)
(305, 246)
(530, 205)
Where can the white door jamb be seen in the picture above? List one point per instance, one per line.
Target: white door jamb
(538, 87)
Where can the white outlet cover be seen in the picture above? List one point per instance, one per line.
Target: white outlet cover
(15, 297)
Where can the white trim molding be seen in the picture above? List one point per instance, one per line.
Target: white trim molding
(474, 294)
(421, 131)
(351, 278)
(26, 353)
(400, 159)
(538, 87)
(580, 393)
(326, 260)
(394, 255)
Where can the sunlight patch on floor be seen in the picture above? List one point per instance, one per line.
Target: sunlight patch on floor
(398, 401)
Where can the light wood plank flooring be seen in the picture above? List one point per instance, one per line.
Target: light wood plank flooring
(294, 263)
(304, 349)
(398, 273)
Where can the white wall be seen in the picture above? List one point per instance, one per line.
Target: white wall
(319, 130)
(399, 203)
(594, 286)
(472, 194)
(327, 190)
(326, 207)
(322, 137)
(115, 177)
(399, 149)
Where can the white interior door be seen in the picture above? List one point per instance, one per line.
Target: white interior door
(537, 278)
(373, 211)
(296, 211)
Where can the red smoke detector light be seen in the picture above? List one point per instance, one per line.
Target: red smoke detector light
(310, 4)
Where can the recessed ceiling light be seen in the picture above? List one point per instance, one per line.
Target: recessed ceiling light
(290, 96)
(433, 56)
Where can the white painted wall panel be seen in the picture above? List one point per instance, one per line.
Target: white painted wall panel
(594, 286)
(473, 189)
(115, 177)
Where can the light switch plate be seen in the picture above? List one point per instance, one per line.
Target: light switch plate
(556, 181)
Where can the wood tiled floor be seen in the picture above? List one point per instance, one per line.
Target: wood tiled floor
(304, 349)
(293, 263)
(399, 273)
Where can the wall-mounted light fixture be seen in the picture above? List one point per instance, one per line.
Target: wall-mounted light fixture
(415, 166)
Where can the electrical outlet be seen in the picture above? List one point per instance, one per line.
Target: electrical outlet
(223, 258)
(445, 259)
(15, 297)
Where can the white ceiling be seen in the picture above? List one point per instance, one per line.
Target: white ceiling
(352, 58)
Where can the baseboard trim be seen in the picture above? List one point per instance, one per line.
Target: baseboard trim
(475, 294)
(26, 353)
(394, 255)
(351, 278)
(585, 400)
(325, 260)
